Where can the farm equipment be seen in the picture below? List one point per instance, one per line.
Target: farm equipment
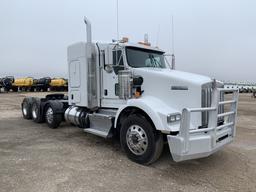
(129, 91)
(23, 84)
(42, 84)
(58, 84)
(7, 83)
(1, 85)
(30, 84)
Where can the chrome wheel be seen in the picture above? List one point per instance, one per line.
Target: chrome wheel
(49, 115)
(24, 109)
(34, 112)
(137, 140)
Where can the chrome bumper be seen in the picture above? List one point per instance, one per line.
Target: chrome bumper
(198, 143)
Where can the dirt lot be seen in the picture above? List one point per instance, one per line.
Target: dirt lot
(36, 158)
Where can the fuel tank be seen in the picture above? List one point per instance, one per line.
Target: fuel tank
(23, 82)
(58, 82)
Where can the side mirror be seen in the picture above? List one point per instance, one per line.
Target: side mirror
(108, 64)
(109, 68)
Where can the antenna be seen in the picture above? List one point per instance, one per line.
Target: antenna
(117, 32)
(172, 29)
(146, 38)
(157, 35)
(172, 45)
(117, 20)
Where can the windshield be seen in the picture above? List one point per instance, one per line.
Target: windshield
(137, 57)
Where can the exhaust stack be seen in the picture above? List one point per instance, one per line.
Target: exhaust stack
(92, 96)
(88, 37)
(88, 30)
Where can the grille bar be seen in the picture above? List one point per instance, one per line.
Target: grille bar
(206, 102)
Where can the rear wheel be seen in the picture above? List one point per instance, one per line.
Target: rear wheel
(15, 89)
(53, 117)
(26, 107)
(36, 111)
(140, 141)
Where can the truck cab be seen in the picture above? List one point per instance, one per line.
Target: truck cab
(131, 91)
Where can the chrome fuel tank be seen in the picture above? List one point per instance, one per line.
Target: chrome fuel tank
(77, 116)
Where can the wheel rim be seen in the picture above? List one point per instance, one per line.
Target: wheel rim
(34, 112)
(49, 115)
(136, 139)
(24, 109)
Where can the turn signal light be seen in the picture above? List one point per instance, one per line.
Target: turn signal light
(137, 94)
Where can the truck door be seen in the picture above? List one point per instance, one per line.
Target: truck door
(113, 63)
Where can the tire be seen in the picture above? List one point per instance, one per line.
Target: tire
(150, 146)
(15, 89)
(37, 116)
(53, 117)
(26, 107)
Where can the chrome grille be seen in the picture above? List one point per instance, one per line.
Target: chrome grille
(125, 84)
(206, 102)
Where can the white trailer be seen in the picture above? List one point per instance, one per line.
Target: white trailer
(130, 91)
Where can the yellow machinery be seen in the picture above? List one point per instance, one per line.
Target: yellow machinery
(23, 82)
(31, 84)
(58, 84)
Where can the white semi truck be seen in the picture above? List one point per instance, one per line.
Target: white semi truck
(130, 91)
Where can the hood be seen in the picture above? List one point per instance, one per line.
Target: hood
(179, 76)
(178, 90)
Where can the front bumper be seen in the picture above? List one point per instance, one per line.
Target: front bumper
(198, 143)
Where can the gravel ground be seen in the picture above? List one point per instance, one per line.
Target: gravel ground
(36, 158)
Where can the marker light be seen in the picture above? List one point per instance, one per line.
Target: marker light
(137, 94)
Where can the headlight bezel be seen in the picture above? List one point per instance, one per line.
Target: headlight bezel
(172, 118)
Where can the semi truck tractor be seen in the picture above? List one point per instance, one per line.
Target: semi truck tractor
(129, 91)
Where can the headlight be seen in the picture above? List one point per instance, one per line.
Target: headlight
(173, 118)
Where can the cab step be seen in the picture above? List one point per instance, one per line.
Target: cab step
(101, 123)
(98, 132)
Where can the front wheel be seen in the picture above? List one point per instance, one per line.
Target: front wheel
(140, 141)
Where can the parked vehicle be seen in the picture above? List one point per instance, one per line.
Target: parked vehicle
(130, 91)
(59, 84)
(42, 84)
(1, 85)
(6, 83)
(23, 84)
(10, 83)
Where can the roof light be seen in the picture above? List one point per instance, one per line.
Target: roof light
(125, 40)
